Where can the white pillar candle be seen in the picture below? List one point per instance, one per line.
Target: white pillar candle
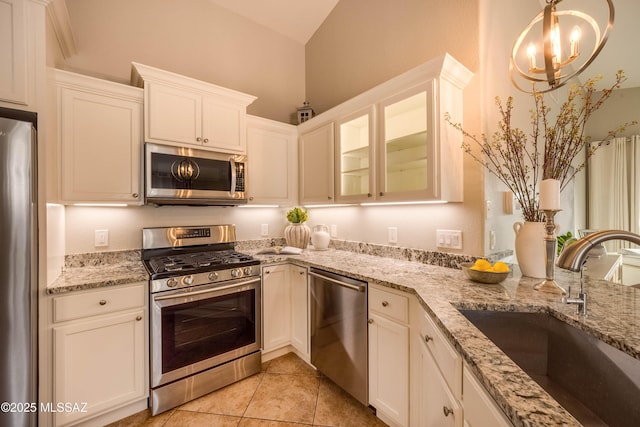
(550, 195)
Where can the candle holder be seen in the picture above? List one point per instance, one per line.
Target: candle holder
(551, 245)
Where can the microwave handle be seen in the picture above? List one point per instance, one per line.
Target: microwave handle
(233, 176)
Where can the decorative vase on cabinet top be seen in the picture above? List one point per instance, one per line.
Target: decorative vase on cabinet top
(530, 248)
(297, 235)
(320, 237)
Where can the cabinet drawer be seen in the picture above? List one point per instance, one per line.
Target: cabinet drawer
(446, 357)
(389, 304)
(93, 303)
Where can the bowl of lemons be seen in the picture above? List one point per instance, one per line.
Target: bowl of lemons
(484, 272)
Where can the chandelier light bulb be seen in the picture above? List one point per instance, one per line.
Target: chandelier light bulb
(531, 53)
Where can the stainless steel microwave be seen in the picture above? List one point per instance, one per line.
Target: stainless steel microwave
(187, 176)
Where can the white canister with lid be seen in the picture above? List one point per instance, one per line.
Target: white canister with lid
(320, 237)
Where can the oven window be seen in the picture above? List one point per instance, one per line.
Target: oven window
(199, 330)
(189, 173)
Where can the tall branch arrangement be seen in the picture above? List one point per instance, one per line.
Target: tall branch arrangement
(519, 160)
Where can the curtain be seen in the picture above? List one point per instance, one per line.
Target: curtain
(614, 190)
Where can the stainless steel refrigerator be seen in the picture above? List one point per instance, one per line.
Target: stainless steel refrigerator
(18, 269)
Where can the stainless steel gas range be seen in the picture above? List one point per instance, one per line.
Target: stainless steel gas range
(205, 329)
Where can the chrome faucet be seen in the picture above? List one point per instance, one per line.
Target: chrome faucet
(574, 257)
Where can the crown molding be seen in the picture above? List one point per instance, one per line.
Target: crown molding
(59, 18)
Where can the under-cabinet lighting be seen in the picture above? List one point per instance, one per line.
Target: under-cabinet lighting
(101, 205)
(424, 202)
(258, 206)
(334, 205)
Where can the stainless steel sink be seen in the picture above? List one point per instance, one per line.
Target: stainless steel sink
(597, 383)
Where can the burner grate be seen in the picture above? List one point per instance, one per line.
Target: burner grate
(188, 262)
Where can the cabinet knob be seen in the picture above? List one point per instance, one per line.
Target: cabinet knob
(370, 321)
(381, 193)
(206, 140)
(267, 272)
(427, 338)
(103, 302)
(301, 273)
(369, 195)
(329, 197)
(251, 198)
(447, 411)
(198, 139)
(385, 303)
(135, 195)
(138, 318)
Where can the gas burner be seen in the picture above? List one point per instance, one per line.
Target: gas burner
(163, 266)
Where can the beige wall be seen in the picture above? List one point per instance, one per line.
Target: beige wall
(366, 42)
(195, 38)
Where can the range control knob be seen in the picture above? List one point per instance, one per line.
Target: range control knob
(236, 272)
(248, 271)
(187, 280)
(213, 276)
(172, 282)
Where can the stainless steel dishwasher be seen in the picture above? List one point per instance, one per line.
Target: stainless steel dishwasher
(339, 346)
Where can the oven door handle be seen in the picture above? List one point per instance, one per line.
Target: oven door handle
(204, 291)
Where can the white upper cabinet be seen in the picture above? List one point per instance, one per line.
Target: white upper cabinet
(392, 143)
(407, 146)
(100, 140)
(355, 157)
(13, 45)
(181, 111)
(316, 165)
(272, 150)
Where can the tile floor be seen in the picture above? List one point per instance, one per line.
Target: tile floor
(287, 393)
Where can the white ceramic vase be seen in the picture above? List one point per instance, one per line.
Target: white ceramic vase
(320, 237)
(297, 235)
(530, 248)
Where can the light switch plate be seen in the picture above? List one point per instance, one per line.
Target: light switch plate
(101, 238)
(264, 230)
(451, 239)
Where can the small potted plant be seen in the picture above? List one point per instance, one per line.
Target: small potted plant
(297, 233)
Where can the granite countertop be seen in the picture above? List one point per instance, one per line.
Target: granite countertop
(102, 269)
(614, 313)
(614, 317)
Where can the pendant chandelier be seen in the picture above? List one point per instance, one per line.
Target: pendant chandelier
(556, 46)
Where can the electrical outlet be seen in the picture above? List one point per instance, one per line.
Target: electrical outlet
(393, 235)
(334, 230)
(264, 230)
(451, 239)
(101, 238)
(492, 240)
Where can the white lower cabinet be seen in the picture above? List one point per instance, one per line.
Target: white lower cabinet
(479, 408)
(99, 352)
(436, 382)
(300, 310)
(285, 309)
(389, 356)
(276, 307)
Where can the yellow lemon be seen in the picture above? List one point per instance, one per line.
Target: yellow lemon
(500, 267)
(481, 264)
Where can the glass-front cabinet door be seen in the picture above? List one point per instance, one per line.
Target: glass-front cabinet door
(406, 145)
(355, 156)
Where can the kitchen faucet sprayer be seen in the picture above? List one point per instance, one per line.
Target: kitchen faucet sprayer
(574, 257)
